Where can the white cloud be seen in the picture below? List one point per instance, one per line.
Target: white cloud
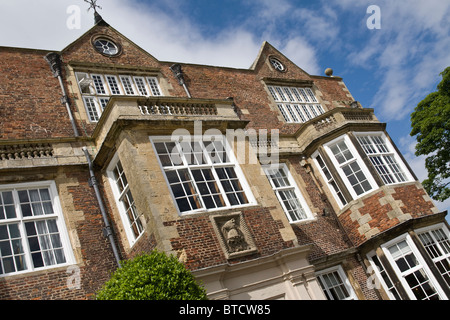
(299, 50)
(407, 53)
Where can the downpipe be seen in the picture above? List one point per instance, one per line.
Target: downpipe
(107, 231)
(54, 60)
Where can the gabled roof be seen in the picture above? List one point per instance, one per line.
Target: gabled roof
(262, 60)
(101, 27)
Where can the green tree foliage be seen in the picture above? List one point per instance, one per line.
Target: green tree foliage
(430, 124)
(153, 276)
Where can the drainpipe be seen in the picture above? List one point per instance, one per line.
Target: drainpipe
(54, 60)
(107, 231)
(176, 69)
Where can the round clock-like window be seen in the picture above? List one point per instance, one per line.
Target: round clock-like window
(277, 64)
(106, 47)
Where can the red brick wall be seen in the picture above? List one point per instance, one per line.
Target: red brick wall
(30, 105)
(97, 258)
(412, 201)
(198, 239)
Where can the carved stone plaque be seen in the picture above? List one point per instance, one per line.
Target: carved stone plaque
(233, 234)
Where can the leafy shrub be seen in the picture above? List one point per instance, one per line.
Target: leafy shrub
(153, 276)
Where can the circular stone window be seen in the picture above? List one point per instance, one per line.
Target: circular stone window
(106, 47)
(277, 64)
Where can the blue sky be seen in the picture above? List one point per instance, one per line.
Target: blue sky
(389, 69)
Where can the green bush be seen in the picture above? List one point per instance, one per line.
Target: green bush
(153, 276)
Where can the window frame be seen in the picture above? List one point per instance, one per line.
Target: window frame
(390, 151)
(380, 277)
(345, 281)
(20, 220)
(118, 83)
(444, 255)
(328, 181)
(296, 104)
(209, 165)
(292, 187)
(118, 196)
(356, 158)
(150, 84)
(422, 265)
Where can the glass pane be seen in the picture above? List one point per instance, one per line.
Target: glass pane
(5, 248)
(37, 209)
(14, 231)
(172, 176)
(177, 190)
(52, 227)
(34, 244)
(37, 260)
(4, 232)
(26, 210)
(10, 212)
(183, 204)
(8, 265)
(59, 254)
(34, 195)
(23, 196)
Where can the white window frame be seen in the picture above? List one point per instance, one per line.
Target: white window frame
(103, 84)
(144, 83)
(296, 105)
(130, 84)
(384, 171)
(442, 249)
(329, 181)
(356, 158)
(150, 84)
(422, 266)
(208, 165)
(118, 196)
(153, 84)
(379, 277)
(93, 112)
(117, 83)
(345, 282)
(20, 220)
(292, 187)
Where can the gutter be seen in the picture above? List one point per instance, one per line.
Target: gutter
(176, 69)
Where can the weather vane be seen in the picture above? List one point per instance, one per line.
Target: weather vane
(93, 4)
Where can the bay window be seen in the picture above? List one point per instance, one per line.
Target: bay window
(414, 274)
(437, 244)
(350, 166)
(326, 174)
(383, 157)
(131, 219)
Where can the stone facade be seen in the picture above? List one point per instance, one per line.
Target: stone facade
(258, 239)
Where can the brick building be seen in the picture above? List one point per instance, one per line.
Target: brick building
(267, 182)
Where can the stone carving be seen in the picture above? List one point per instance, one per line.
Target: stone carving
(233, 234)
(234, 237)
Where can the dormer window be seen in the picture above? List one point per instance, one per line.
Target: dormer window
(96, 89)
